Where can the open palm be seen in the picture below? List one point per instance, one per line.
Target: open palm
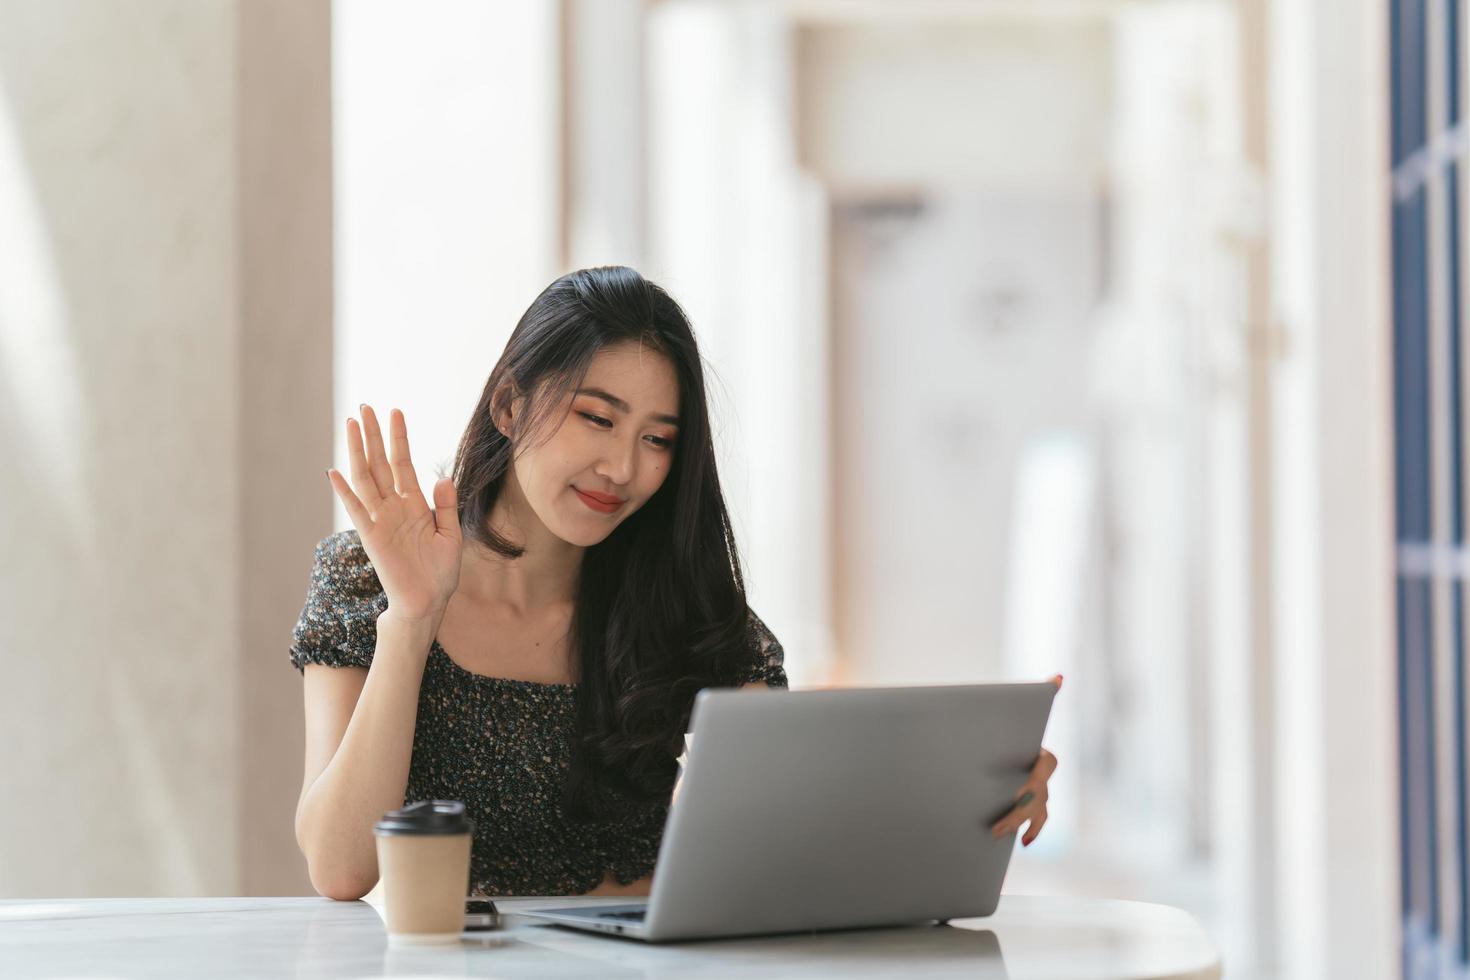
(414, 549)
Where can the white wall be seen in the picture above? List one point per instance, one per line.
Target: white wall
(1176, 795)
(736, 233)
(448, 204)
(1335, 682)
(964, 333)
(605, 132)
(978, 100)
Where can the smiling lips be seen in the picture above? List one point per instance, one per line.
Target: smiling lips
(603, 503)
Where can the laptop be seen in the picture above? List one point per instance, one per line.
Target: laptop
(835, 809)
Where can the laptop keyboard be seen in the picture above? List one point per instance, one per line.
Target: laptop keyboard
(635, 914)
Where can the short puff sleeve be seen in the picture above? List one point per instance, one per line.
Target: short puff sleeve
(339, 623)
(768, 659)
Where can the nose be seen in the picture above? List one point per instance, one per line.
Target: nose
(619, 462)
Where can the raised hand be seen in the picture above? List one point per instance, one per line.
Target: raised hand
(415, 550)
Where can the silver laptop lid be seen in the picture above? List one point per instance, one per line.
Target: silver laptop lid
(843, 808)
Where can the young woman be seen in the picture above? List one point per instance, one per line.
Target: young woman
(532, 644)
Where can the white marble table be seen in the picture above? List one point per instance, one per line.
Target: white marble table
(1028, 937)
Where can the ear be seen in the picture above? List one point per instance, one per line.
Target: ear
(504, 406)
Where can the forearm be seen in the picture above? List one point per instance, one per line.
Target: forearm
(368, 774)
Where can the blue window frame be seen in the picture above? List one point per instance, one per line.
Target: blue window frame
(1429, 162)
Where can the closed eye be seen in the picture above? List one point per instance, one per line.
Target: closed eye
(601, 422)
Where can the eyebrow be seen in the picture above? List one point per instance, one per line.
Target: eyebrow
(623, 406)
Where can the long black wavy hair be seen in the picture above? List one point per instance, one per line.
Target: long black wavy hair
(660, 608)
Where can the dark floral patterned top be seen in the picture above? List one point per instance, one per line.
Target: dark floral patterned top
(502, 746)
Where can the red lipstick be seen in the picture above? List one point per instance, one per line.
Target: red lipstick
(603, 503)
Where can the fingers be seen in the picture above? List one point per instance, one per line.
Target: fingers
(362, 479)
(403, 473)
(376, 478)
(1046, 764)
(446, 508)
(355, 510)
(377, 457)
(1035, 813)
(1037, 822)
(1030, 801)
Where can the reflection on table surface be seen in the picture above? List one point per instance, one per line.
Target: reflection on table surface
(1029, 936)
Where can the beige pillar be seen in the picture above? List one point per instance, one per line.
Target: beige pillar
(165, 386)
(286, 424)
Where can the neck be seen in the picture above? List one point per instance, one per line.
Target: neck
(543, 577)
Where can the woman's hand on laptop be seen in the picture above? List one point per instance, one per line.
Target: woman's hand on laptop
(1030, 798)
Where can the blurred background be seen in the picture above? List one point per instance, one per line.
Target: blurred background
(1115, 338)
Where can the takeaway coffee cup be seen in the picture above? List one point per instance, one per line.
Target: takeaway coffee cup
(424, 864)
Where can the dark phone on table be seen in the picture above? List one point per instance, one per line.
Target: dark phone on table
(480, 914)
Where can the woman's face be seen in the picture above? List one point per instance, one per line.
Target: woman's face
(611, 452)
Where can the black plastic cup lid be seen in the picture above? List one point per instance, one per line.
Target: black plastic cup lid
(426, 817)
